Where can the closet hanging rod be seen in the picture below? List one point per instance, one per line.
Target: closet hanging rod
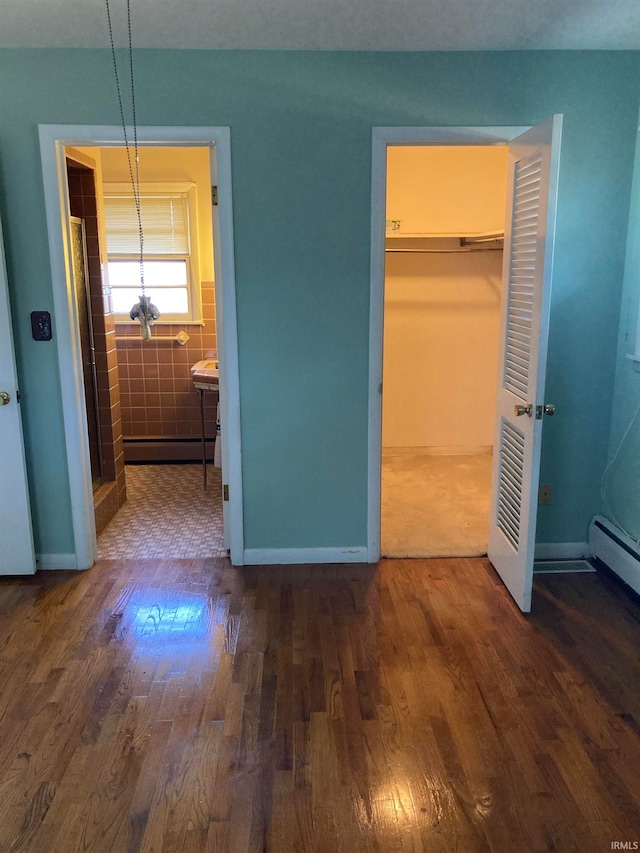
(482, 238)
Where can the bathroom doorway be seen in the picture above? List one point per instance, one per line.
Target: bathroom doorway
(149, 410)
(445, 220)
(156, 425)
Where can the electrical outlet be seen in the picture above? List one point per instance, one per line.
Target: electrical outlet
(545, 494)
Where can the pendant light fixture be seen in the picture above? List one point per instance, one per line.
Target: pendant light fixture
(144, 310)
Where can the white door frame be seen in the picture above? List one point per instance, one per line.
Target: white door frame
(53, 140)
(381, 139)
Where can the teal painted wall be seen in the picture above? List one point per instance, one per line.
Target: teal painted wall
(301, 151)
(622, 484)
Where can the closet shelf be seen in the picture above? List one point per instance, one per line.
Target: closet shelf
(445, 235)
(444, 243)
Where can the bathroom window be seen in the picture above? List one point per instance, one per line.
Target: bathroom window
(171, 275)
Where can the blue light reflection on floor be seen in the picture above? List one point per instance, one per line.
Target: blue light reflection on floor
(156, 620)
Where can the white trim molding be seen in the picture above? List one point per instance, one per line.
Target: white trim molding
(303, 556)
(382, 137)
(53, 141)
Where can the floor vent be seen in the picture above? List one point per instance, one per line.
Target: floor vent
(541, 567)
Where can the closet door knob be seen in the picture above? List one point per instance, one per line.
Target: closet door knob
(4, 398)
(523, 410)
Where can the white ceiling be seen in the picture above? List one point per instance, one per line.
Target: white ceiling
(328, 24)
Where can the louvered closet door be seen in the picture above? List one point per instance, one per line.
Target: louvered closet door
(526, 286)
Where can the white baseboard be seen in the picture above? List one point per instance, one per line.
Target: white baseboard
(561, 550)
(616, 550)
(303, 556)
(55, 562)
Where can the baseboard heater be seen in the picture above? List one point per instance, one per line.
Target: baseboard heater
(166, 449)
(616, 550)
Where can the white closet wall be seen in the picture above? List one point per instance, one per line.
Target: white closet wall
(442, 311)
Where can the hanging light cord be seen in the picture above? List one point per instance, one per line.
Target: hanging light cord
(134, 175)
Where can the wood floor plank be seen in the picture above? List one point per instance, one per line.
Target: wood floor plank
(186, 705)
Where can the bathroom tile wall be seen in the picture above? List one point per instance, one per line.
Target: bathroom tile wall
(157, 397)
(82, 199)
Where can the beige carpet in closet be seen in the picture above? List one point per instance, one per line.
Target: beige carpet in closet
(434, 505)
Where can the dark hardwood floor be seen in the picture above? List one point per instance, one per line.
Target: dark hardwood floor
(187, 705)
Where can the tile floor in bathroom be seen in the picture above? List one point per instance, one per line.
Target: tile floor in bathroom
(167, 514)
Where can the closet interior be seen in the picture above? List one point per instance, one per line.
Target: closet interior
(445, 220)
